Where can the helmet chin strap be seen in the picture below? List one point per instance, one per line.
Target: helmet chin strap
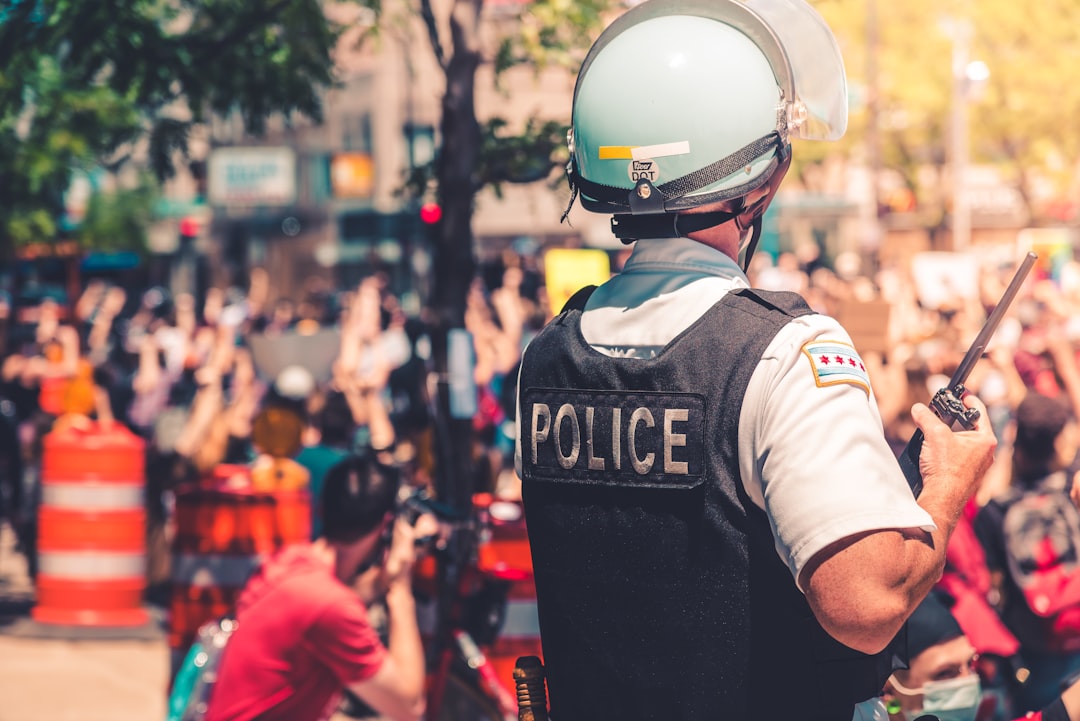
(628, 227)
(759, 208)
(751, 245)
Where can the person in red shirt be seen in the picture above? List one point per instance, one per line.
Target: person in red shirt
(304, 636)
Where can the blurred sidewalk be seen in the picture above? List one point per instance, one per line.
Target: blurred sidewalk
(63, 674)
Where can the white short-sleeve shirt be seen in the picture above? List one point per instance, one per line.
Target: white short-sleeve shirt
(811, 449)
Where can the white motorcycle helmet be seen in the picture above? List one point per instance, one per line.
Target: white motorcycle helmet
(684, 103)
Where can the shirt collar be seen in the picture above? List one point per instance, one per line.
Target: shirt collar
(681, 254)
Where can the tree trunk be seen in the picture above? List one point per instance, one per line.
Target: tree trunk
(454, 268)
(455, 265)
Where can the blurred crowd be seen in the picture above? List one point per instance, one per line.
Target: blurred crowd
(189, 376)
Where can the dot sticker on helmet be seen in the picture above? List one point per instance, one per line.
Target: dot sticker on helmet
(647, 169)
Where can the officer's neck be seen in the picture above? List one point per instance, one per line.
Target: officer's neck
(724, 238)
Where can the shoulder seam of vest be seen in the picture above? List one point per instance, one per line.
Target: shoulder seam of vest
(768, 299)
(578, 300)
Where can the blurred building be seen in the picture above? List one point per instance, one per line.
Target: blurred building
(324, 200)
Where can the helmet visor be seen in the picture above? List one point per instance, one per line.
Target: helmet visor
(819, 110)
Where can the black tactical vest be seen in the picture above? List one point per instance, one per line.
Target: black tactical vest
(660, 592)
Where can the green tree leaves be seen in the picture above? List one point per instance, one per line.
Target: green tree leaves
(93, 84)
(1019, 119)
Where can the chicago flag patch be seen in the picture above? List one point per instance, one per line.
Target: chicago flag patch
(834, 362)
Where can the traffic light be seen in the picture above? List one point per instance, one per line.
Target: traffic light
(189, 227)
(430, 213)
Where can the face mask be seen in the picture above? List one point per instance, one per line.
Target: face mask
(954, 700)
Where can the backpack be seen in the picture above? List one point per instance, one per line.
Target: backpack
(195, 680)
(1042, 547)
(966, 580)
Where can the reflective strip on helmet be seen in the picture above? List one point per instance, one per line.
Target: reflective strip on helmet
(643, 152)
(213, 571)
(606, 198)
(92, 496)
(522, 620)
(615, 152)
(664, 150)
(91, 565)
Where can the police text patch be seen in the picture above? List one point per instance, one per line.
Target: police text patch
(645, 439)
(834, 362)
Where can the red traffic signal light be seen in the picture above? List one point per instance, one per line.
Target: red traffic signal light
(189, 226)
(430, 213)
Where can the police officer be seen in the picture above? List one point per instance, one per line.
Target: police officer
(718, 528)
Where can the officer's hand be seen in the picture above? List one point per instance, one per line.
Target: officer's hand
(1075, 492)
(954, 462)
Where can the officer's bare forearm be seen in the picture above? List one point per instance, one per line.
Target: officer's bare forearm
(862, 588)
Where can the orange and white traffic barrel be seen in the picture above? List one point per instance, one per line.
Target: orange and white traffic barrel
(288, 481)
(225, 527)
(92, 527)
